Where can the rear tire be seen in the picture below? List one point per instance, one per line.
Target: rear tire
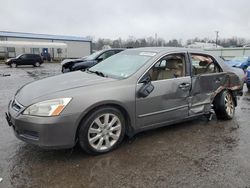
(102, 131)
(224, 105)
(37, 64)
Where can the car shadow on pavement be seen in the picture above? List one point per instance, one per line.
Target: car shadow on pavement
(175, 146)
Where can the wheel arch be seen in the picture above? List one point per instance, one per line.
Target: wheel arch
(128, 121)
(221, 89)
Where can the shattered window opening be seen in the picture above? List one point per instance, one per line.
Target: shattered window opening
(202, 64)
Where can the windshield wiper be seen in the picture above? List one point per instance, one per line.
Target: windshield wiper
(99, 73)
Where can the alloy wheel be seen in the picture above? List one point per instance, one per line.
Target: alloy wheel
(104, 131)
(229, 104)
(37, 64)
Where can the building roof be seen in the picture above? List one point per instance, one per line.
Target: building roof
(42, 36)
(33, 44)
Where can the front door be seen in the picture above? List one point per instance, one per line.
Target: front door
(23, 60)
(169, 99)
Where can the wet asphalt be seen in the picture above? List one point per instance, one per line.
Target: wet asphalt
(197, 153)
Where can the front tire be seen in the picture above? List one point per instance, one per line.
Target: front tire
(224, 105)
(64, 70)
(102, 131)
(13, 65)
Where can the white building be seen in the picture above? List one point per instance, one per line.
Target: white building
(15, 43)
(203, 45)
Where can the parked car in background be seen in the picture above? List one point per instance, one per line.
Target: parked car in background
(247, 72)
(239, 62)
(69, 65)
(132, 91)
(25, 59)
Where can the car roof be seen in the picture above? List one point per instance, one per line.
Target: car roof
(112, 49)
(167, 49)
(30, 54)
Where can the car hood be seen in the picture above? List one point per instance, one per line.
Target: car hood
(9, 59)
(86, 62)
(30, 93)
(66, 61)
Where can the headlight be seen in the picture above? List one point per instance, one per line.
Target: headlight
(47, 108)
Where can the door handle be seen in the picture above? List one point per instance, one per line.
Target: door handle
(184, 85)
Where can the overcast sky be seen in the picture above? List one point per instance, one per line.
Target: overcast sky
(180, 19)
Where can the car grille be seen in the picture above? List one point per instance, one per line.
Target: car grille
(16, 106)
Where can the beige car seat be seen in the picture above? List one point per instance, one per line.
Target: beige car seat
(174, 69)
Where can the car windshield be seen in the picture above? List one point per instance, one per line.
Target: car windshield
(122, 65)
(19, 56)
(239, 59)
(94, 55)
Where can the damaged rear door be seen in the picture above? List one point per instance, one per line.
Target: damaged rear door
(207, 77)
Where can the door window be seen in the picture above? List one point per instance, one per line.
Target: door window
(11, 52)
(169, 67)
(106, 55)
(24, 56)
(203, 64)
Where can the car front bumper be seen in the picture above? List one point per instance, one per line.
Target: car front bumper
(47, 132)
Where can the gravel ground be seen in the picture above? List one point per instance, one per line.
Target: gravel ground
(191, 154)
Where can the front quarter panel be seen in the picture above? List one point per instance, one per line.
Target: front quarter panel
(85, 99)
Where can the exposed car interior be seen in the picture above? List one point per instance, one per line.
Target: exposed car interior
(202, 64)
(168, 67)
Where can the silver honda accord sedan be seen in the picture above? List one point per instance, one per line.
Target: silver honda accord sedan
(133, 91)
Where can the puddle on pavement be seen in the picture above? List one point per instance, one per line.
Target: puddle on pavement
(41, 74)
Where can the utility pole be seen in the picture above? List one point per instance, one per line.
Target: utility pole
(217, 36)
(156, 40)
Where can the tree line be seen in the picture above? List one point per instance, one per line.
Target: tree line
(133, 42)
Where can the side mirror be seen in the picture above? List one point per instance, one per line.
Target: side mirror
(146, 88)
(145, 79)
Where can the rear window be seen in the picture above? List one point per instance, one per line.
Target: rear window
(35, 56)
(204, 64)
